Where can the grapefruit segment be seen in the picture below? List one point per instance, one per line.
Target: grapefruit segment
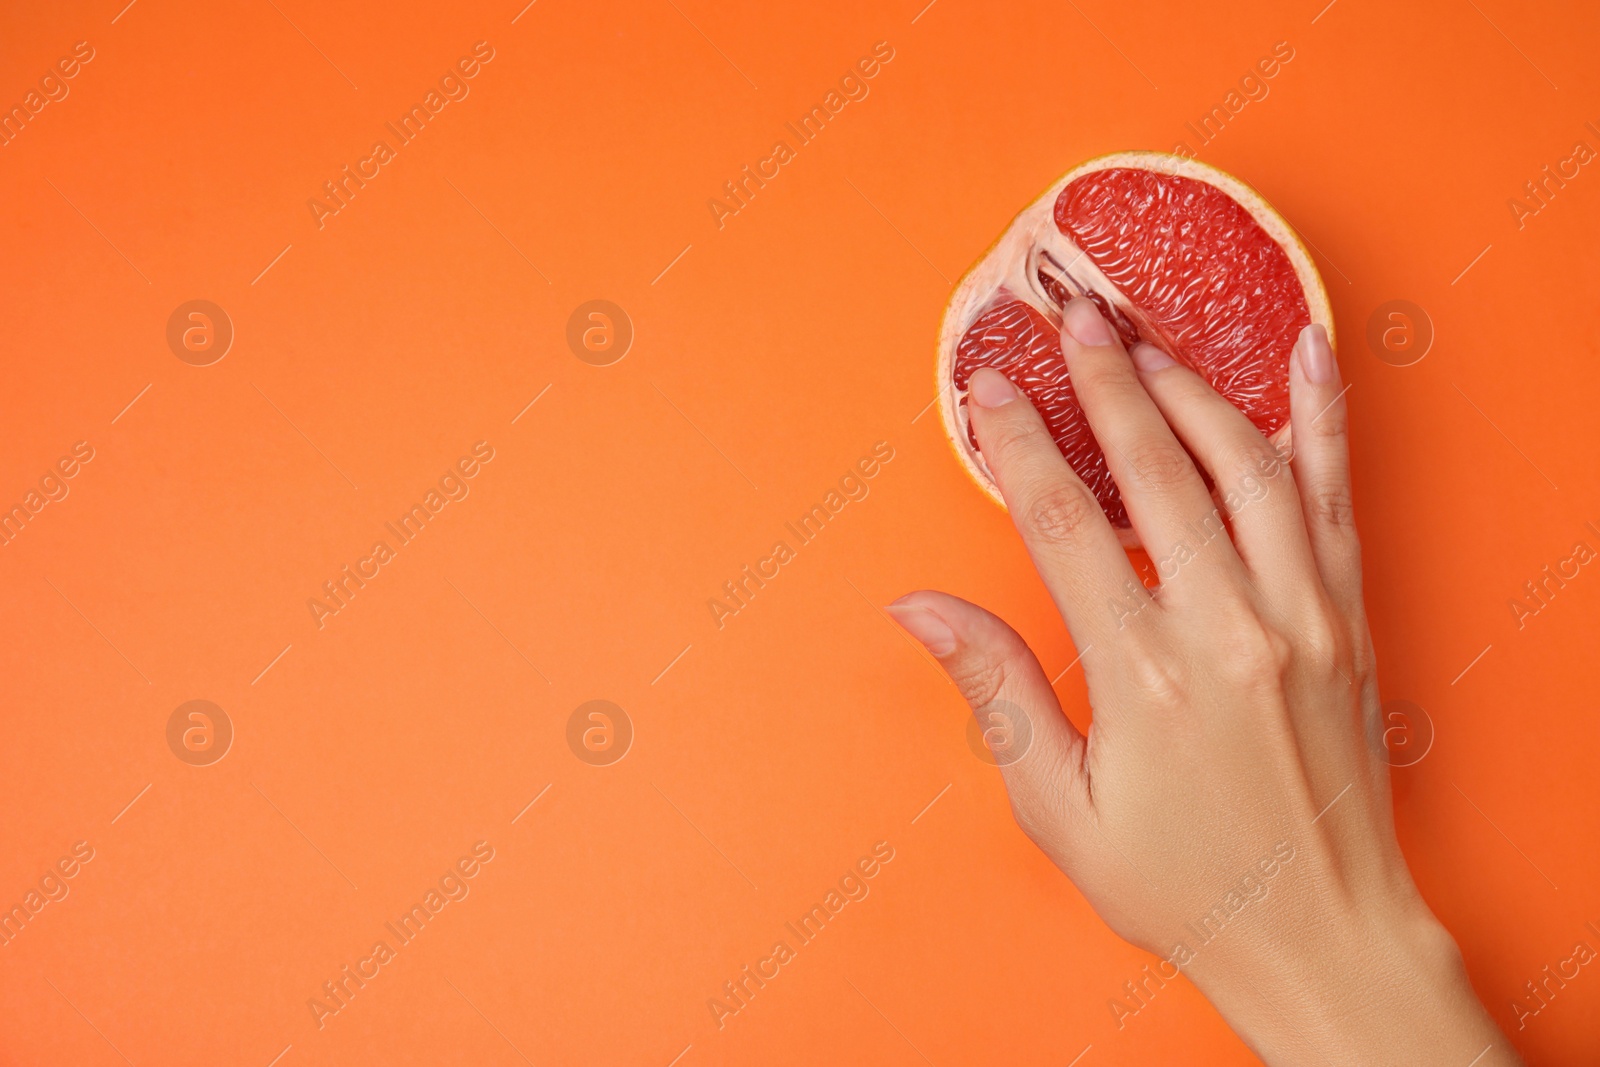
(1172, 252)
(1016, 339)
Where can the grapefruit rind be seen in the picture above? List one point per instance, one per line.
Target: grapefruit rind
(1011, 249)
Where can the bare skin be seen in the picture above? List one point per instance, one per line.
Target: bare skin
(1229, 808)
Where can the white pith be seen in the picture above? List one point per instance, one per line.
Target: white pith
(1014, 260)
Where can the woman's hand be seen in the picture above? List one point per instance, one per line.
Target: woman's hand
(1229, 808)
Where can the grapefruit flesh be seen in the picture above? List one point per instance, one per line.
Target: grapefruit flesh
(1172, 252)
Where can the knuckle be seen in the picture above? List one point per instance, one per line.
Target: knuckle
(1349, 641)
(1154, 680)
(1280, 652)
(1253, 655)
(1260, 458)
(980, 680)
(1324, 641)
(1061, 513)
(1013, 436)
(1331, 423)
(1100, 376)
(1253, 471)
(1112, 382)
(1332, 505)
(1363, 659)
(1159, 465)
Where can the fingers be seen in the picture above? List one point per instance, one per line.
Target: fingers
(1039, 751)
(1250, 476)
(1072, 544)
(1319, 424)
(1167, 502)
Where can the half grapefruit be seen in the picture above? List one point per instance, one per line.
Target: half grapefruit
(1173, 252)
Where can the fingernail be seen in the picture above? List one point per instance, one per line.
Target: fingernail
(1084, 322)
(1316, 356)
(1148, 358)
(990, 389)
(934, 633)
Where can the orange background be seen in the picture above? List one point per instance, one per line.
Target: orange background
(773, 354)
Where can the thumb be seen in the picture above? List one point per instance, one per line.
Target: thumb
(1039, 751)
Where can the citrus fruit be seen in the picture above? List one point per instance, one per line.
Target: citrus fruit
(1173, 252)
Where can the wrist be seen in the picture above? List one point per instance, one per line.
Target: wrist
(1369, 986)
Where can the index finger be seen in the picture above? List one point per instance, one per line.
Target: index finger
(1072, 543)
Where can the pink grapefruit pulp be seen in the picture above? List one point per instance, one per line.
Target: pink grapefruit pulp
(1173, 252)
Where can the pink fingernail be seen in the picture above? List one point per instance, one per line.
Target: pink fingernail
(1148, 358)
(991, 389)
(1084, 323)
(1316, 356)
(934, 633)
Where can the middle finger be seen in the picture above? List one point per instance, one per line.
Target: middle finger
(1178, 523)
